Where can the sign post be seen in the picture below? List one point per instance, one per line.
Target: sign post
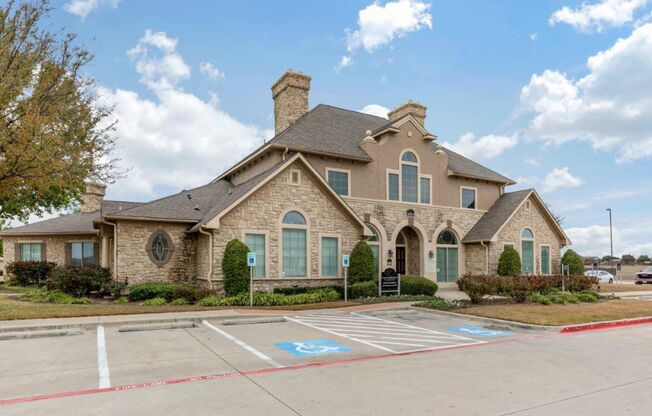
(565, 269)
(619, 269)
(345, 265)
(251, 262)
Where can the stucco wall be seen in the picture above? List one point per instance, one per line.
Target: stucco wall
(262, 212)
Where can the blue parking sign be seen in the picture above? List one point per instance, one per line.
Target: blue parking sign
(313, 347)
(251, 259)
(345, 260)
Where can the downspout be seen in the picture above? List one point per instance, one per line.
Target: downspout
(115, 247)
(210, 255)
(287, 149)
(486, 263)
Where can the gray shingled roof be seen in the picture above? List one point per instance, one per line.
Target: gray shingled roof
(330, 130)
(76, 223)
(466, 167)
(188, 205)
(498, 214)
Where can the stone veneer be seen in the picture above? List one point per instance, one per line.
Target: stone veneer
(262, 212)
(55, 250)
(134, 264)
(534, 219)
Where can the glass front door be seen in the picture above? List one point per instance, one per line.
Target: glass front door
(447, 270)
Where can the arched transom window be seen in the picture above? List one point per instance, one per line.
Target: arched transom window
(408, 184)
(447, 237)
(294, 217)
(527, 251)
(295, 245)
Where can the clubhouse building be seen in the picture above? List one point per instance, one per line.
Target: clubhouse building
(329, 178)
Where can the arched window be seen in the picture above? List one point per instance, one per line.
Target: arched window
(159, 248)
(374, 244)
(527, 251)
(447, 237)
(295, 245)
(409, 177)
(294, 217)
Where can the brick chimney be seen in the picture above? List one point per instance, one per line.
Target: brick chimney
(93, 197)
(417, 110)
(290, 94)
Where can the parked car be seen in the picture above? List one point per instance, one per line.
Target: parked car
(643, 277)
(603, 277)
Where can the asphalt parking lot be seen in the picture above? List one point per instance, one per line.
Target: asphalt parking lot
(269, 368)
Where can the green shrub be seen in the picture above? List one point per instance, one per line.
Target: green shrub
(509, 263)
(78, 281)
(145, 291)
(516, 287)
(478, 286)
(588, 296)
(363, 290)
(121, 300)
(439, 303)
(234, 268)
(579, 283)
(54, 296)
(211, 300)
(191, 293)
(416, 285)
(564, 297)
(36, 295)
(362, 266)
(179, 301)
(540, 298)
(113, 288)
(272, 299)
(25, 273)
(304, 289)
(575, 262)
(155, 302)
(394, 298)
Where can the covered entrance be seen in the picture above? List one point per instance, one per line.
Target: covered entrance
(408, 252)
(447, 256)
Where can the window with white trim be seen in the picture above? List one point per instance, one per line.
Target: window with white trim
(468, 198)
(295, 245)
(329, 257)
(339, 180)
(425, 190)
(409, 177)
(392, 187)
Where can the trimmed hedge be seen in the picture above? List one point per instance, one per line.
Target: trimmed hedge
(509, 263)
(271, 299)
(25, 273)
(234, 268)
(78, 281)
(416, 285)
(301, 289)
(362, 266)
(478, 286)
(145, 291)
(363, 290)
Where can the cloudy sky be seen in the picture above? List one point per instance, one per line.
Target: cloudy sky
(556, 95)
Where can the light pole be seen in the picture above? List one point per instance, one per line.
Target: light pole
(611, 243)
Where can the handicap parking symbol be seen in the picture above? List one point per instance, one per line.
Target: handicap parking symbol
(479, 332)
(313, 347)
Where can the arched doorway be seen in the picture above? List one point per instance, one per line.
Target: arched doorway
(447, 256)
(408, 252)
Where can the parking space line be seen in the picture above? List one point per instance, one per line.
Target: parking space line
(243, 345)
(340, 335)
(102, 360)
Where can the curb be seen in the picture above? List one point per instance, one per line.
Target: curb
(39, 334)
(157, 327)
(596, 326)
(250, 321)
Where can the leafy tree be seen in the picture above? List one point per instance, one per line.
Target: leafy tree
(234, 268)
(628, 259)
(559, 219)
(361, 264)
(509, 263)
(643, 258)
(574, 261)
(54, 133)
(608, 258)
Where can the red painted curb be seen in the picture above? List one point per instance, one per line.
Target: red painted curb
(268, 370)
(605, 325)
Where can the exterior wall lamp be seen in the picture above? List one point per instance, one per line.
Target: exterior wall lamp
(431, 254)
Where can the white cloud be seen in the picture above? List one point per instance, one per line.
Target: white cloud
(610, 108)
(379, 25)
(560, 178)
(485, 147)
(176, 140)
(83, 8)
(209, 71)
(375, 110)
(534, 37)
(532, 161)
(594, 240)
(598, 16)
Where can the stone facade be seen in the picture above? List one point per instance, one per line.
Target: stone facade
(535, 219)
(93, 197)
(262, 213)
(417, 110)
(134, 264)
(290, 94)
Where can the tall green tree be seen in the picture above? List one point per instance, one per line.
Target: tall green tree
(628, 259)
(574, 261)
(643, 258)
(54, 133)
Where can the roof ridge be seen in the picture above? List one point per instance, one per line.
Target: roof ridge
(352, 111)
(473, 161)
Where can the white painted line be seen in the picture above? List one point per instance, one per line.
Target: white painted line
(396, 332)
(400, 343)
(416, 327)
(102, 361)
(405, 339)
(243, 344)
(341, 335)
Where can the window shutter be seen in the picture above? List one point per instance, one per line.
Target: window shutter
(43, 252)
(17, 252)
(96, 253)
(68, 250)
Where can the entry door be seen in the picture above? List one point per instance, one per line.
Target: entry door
(400, 260)
(447, 264)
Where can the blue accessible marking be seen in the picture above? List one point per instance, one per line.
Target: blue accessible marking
(313, 347)
(479, 332)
